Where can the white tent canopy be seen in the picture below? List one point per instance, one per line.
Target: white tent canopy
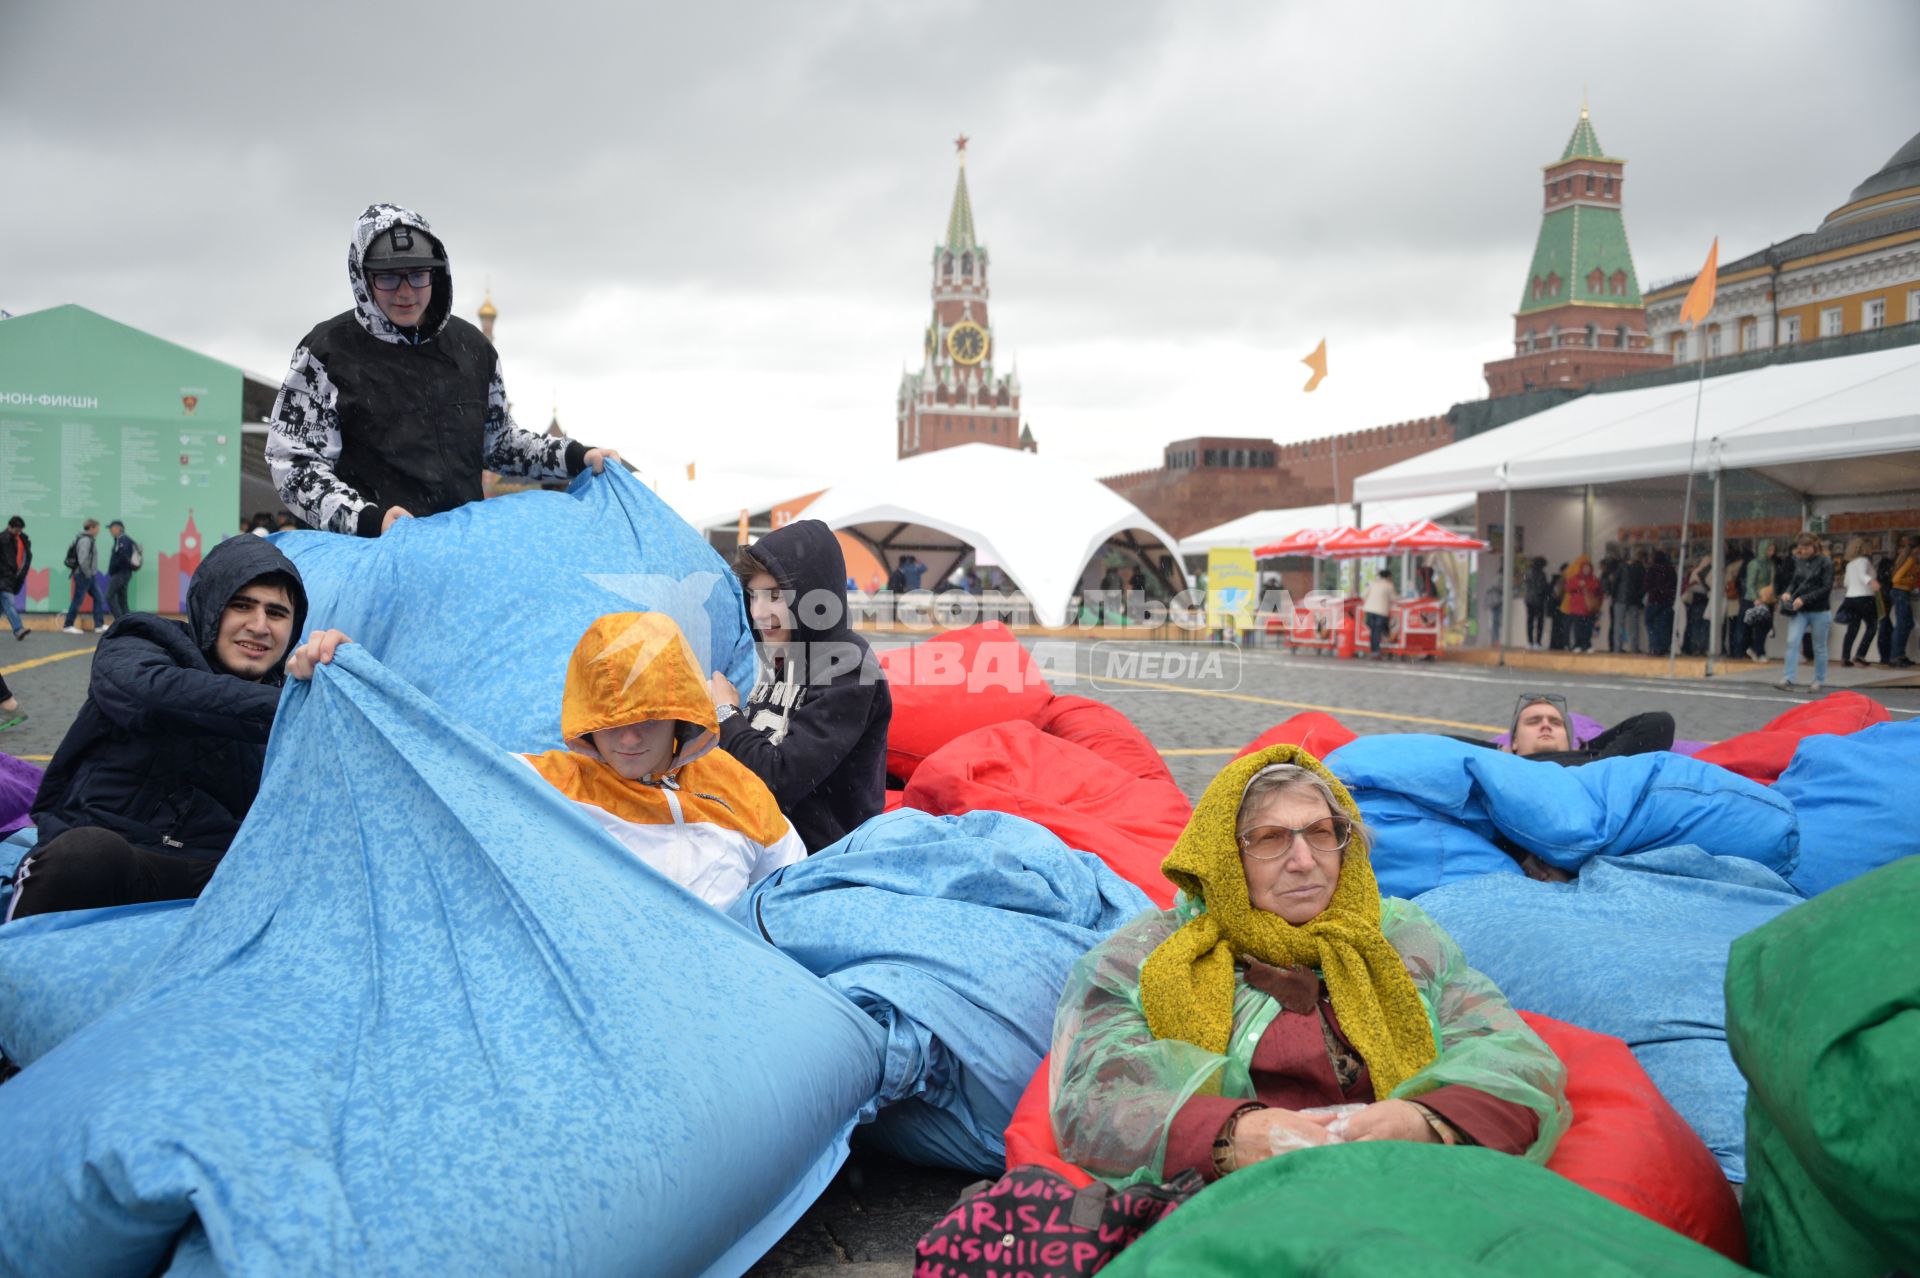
(1040, 520)
(1844, 426)
(1263, 527)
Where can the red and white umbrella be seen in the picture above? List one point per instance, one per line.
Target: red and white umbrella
(1429, 536)
(1305, 541)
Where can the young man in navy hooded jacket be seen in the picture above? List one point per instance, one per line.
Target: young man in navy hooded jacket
(393, 409)
(814, 728)
(163, 761)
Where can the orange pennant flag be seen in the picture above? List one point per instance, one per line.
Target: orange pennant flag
(1318, 363)
(1699, 303)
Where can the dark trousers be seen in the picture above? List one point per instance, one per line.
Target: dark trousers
(117, 594)
(1859, 618)
(1557, 631)
(1696, 638)
(1756, 636)
(85, 588)
(1582, 633)
(88, 867)
(1660, 628)
(1536, 622)
(1640, 734)
(1376, 631)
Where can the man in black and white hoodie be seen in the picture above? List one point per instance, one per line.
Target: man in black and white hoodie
(392, 409)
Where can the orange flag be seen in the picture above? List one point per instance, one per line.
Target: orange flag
(1699, 301)
(690, 466)
(1318, 363)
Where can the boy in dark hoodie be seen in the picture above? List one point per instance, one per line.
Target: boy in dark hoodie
(814, 728)
(392, 409)
(163, 761)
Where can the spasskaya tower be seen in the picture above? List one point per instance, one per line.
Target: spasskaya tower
(956, 397)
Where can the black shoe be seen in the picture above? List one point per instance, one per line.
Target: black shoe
(21, 634)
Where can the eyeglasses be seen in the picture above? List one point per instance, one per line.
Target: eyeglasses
(387, 281)
(1530, 699)
(1271, 842)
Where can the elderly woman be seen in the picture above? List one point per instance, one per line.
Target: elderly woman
(1207, 1036)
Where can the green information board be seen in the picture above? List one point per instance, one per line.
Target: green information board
(102, 421)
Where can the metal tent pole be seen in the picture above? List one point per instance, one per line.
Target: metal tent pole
(1506, 568)
(1716, 589)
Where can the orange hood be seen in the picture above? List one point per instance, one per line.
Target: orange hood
(631, 667)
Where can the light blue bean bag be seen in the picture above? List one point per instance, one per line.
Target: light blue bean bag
(955, 933)
(427, 1019)
(1855, 797)
(1436, 806)
(480, 607)
(1635, 947)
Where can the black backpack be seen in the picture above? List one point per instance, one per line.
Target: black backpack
(73, 554)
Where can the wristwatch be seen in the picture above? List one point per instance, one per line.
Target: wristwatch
(724, 712)
(1224, 1159)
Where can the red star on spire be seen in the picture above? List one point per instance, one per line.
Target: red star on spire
(960, 143)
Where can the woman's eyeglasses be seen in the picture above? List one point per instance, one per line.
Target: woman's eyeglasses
(387, 281)
(1271, 842)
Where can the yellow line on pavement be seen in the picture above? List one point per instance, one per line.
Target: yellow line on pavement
(35, 758)
(1303, 705)
(49, 659)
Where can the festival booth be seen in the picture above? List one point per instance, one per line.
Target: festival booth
(1329, 622)
(1046, 525)
(1778, 447)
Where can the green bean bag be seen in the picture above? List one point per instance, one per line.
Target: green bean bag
(1396, 1209)
(1823, 1016)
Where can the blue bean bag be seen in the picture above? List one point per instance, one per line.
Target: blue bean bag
(1636, 947)
(428, 1019)
(955, 934)
(60, 972)
(1855, 801)
(1436, 806)
(480, 607)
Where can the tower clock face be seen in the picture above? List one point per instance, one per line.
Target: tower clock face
(967, 342)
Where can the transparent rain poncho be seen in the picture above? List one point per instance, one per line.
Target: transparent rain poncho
(1115, 1088)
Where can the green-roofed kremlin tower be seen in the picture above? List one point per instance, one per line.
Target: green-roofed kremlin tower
(1581, 316)
(956, 397)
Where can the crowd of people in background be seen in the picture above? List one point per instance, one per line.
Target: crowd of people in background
(1647, 603)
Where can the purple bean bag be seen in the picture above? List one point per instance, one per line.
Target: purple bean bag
(19, 782)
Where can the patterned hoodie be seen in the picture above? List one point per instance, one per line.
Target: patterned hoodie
(707, 822)
(372, 416)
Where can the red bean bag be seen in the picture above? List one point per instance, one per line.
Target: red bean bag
(1317, 733)
(1095, 805)
(1763, 754)
(1626, 1144)
(1629, 1145)
(1106, 732)
(955, 682)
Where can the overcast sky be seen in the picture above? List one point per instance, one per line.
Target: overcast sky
(707, 226)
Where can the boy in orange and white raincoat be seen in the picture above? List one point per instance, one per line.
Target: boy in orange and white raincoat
(640, 761)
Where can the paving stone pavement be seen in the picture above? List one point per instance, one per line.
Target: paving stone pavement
(1198, 705)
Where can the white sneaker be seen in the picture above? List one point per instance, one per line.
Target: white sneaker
(71, 630)
(1818, 688)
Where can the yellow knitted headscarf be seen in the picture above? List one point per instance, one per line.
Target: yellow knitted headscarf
(1186, 984)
